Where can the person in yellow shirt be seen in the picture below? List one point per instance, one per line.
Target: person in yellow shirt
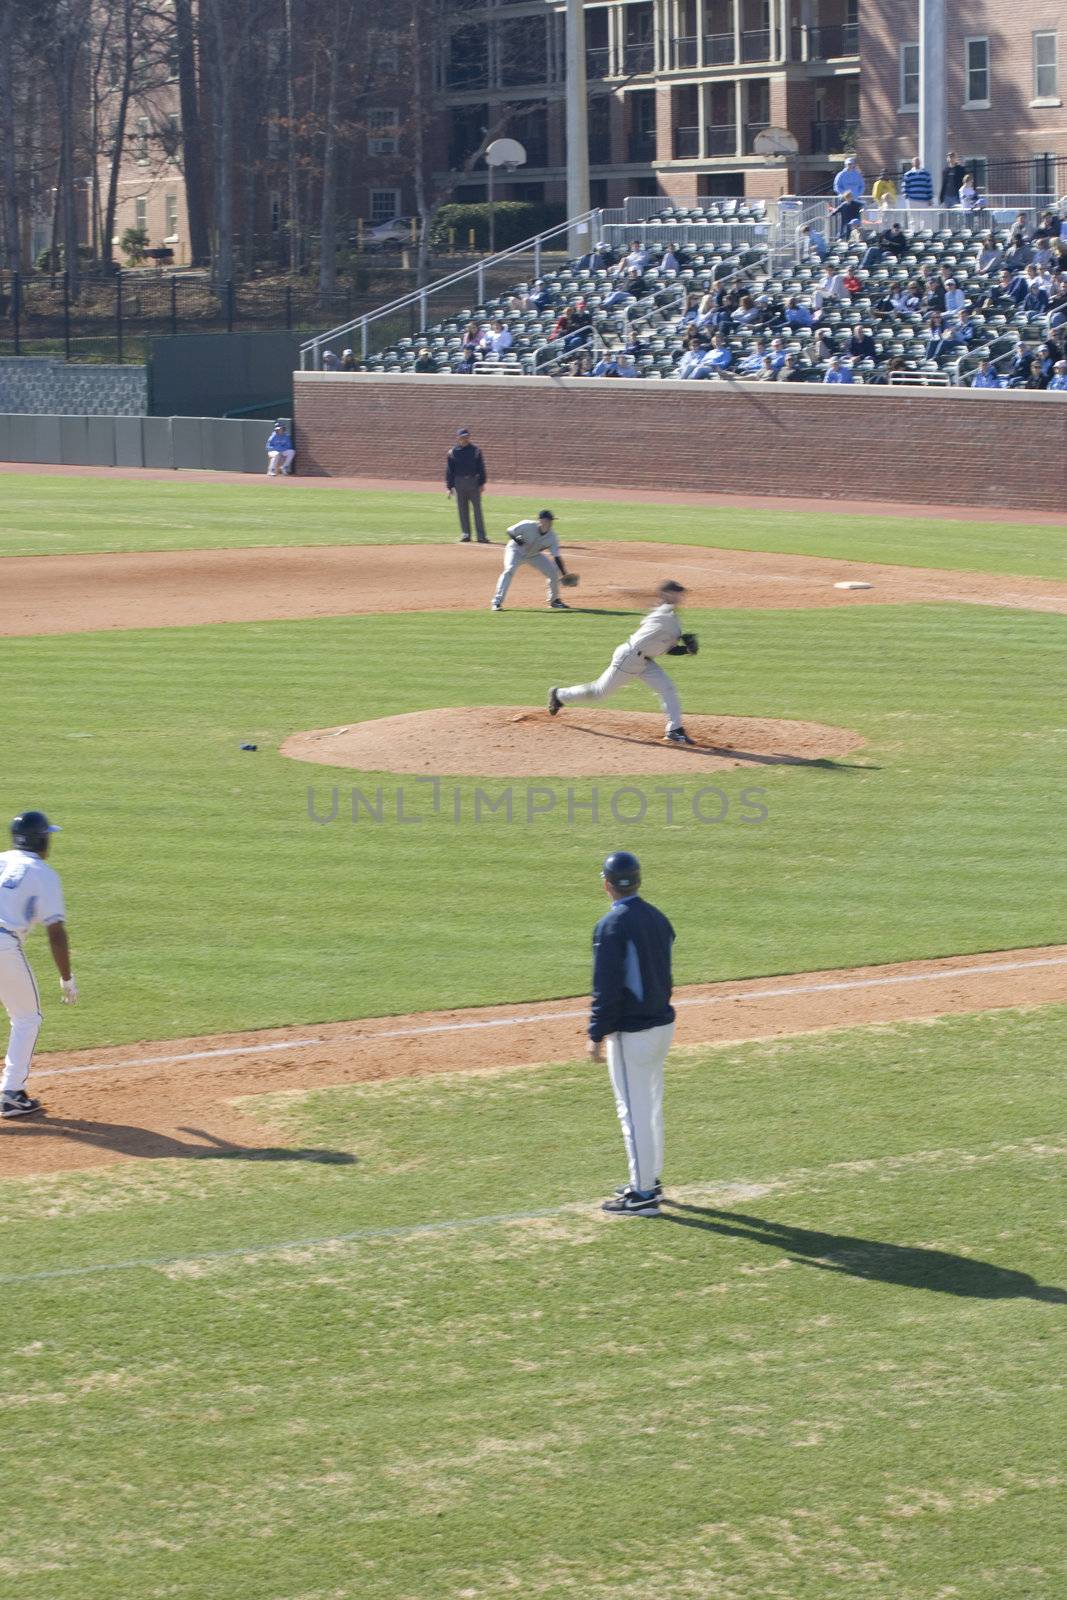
(884, 191)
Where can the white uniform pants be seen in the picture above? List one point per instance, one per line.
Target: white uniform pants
(635, 1062)
(18, 994)
(628, 666)
(279, 458)
(514, 556)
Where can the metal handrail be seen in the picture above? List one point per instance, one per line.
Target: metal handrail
(312, 348)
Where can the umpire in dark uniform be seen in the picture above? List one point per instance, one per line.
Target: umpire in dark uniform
(465, 478)
(633, 1019)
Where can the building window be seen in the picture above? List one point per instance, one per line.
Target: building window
(170, 203)
(275, 213)
(386, 58)
(977, 65)
(382, 125)
(140, 213)
(142, 139)
(909, 77)
(1046, 67)
(384, 204)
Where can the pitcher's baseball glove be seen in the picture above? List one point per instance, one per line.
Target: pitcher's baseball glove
(569, 580)
(688, 645)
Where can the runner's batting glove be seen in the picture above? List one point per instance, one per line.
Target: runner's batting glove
(69, 990)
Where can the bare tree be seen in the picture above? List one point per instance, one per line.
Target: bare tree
(192, 141)
(9, 173)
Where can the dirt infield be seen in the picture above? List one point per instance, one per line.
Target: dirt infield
(171, 589)
(181, 1098)
(515, 742)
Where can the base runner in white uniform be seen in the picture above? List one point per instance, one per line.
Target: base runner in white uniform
(536, 543)
(30, 892)
(633, 662)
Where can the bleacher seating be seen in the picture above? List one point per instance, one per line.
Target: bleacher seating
(651, 324)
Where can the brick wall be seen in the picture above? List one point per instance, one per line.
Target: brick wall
(937, 447)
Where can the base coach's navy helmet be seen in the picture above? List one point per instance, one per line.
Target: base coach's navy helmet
(622, 870)
(30, 829)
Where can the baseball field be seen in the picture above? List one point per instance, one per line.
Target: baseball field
(306, 1293)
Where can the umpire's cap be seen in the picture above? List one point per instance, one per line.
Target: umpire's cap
(621, 870)
(30, 829)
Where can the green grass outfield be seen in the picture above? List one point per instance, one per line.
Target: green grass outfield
(45, 515)
(203, 897)
(836, 1371)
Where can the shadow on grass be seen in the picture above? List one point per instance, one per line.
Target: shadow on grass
(752, 757)
(910, 1266)
(150, 1145)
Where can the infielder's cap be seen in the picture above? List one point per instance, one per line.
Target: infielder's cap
(621, 870)
(30, 828)
(463, 433)
(670, 587)
(549, 515)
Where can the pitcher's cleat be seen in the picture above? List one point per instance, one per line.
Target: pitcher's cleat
(677, 736)
(17, 1103)
(558, 605)
(555, 704)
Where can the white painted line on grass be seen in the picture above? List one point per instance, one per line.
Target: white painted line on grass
(784, 993)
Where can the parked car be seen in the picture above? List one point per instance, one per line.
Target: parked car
(388, 235)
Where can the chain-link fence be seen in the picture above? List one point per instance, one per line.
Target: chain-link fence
(111, 320)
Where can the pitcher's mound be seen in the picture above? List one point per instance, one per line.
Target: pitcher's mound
(517, 742)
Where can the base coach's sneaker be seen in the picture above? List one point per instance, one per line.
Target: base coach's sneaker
(657, 1191)
(632, 1203)
(17, 1103)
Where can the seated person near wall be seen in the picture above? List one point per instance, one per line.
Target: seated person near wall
(796, 314)
(1058, 382)
(606, 367)
(717, 361)
(838, 371)
(861, 345)
(752, 364)
(792, 371)
(330, 361)
(424, 361)
(280, 451)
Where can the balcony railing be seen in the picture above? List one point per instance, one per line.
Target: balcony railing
(639, 57)
(641, 144)
(720, 139)
(719, 50)
(836, 39)
(756, 46)
(597, 61)
(684, 52)
(686, 143)
(834, 137)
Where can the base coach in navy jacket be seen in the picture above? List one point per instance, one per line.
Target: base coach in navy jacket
(632, 1015)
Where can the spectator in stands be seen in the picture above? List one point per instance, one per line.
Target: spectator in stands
(348, 361)
(330, 361)
(598, 259)
(669, 261)
(985, 377)
(951, 179)
(777, 353)
(706, 309)
(1035, 295)
(748, 313)
(580, 368)
(1048, 227)
(1042, 255)
(280, 451)
(838, 371)
(907, 297)
(970, 199)
(861, 346)
(884, 375)
(625, 367)
(1047, 356)
(581, 325)
(542, 295)
(829, 289)
(500, 340)
(1058, 381)
(934, 289)
(967, 330)
(792, 372)
(895, 241)
(990, 256)
(797, 315)
(631, 286)
(1057, 304)
(424, 361)
(716, 361)
(1032, 377)
(849, 181)
(940, 340)
(690, 361)
(606, 367)
(810, 242)
(469, 348)
(955, 299)
(884, 191)
(822, 347)
(853, 285)
(874, 251)
(918, 186)
(1017, 252)
(767, 373)
(726, 308)
(636, 259)
(847, 211)
(751, 364)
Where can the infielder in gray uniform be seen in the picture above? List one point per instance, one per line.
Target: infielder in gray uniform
(535, 542)
(660, 634)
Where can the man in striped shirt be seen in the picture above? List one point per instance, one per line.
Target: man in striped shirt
(918, 186)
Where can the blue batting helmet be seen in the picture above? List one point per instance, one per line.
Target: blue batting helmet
(621, 870)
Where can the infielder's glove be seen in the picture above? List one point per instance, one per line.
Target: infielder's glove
(687, 646)
(569, 580)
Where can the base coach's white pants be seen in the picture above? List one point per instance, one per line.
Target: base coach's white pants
(19, 997)
(629, 666)
(635, 1062)
(279, 458)
(514, 557)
